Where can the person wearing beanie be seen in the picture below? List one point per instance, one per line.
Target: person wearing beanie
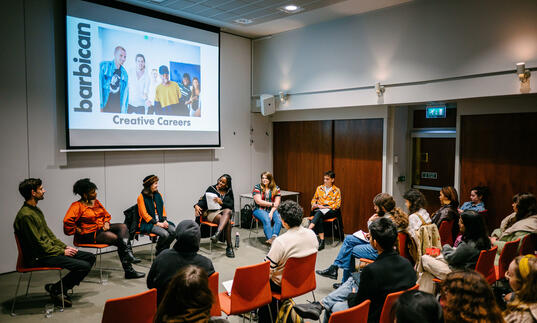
(153, 214)
(183, 253)
(89, 222)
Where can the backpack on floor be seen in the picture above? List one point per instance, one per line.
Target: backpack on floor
(287, 313)
(246, 216)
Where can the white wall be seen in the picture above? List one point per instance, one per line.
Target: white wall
(415, 42)
(32, 129)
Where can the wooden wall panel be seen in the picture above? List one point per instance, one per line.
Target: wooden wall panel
(302, 153)
(499, 151)
(358, 167)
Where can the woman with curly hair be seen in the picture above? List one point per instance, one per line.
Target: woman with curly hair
(468, 297)
(522, 276)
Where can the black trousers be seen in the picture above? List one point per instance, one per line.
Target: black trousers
(137, 110)
(79, 266)
(318, 218)
(264, 315)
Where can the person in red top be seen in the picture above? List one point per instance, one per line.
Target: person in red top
(89, 222)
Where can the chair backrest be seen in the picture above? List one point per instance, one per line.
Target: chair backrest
(485, 264)
(509, 252)
(213, 285)
(139, 308)
(386, 314)
(446, 232)
(298, 276)
(20, 257)
(529, 244)
(251, 288)
(355, 314)
(402, 238)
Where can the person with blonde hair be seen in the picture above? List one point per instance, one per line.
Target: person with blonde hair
(522, 276)
(468, 298)
(267, 198)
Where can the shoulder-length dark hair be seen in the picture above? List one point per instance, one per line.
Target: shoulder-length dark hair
(475, 230)
(526, 205)
(188, 290)
(417, 200)
(451, 194)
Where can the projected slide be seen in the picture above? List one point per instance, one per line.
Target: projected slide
(123, 79)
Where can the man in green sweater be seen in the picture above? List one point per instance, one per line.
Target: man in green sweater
(40, 246)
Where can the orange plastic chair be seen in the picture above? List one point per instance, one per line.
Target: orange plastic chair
(98, 252)
(509, 252)
(22, 269)
(446, 232)
(355, 314)
(140, 308)
(386, 314)
(403, 250)
(333, 222)
(213, 285)
(528, 245)
(151, 237)
(211, 226)
(252, 226)
(250, 290)
(298, 278)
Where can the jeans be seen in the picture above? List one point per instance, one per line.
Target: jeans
(353, 246)
(263, 216)
(337, 300)
(79, 266)
(166, 236)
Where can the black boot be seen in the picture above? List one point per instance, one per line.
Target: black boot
(321, 245)
(130, 254)
(123, 253)
(216, 236)
(229, 252)
(130, 273)
(330, 272)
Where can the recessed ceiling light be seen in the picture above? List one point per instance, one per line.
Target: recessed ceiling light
(290, 8)
(158, 1)
(243, 21)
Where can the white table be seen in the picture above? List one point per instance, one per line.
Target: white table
(250, 197)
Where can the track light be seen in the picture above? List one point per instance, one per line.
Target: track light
(523, 73)
(379, 89)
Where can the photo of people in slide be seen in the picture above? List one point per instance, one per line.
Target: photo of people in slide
(146, 75)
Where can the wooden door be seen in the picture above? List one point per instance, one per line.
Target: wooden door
(302, 153)
(358, 168)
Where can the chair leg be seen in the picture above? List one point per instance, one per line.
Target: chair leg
(61, 288)
(99, 253)
(210, 240)
(15, 298)
(313, 293)
(270, 313)
(151, 251)
(28, 285)
(333, 236)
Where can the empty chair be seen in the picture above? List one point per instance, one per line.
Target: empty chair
(446, 232)
(356, 314)
(139, 308)
(485, 264)
(250, 290)
(509, 252)
(528, 245)
(213, 285)
(22, 269)
(386, 314)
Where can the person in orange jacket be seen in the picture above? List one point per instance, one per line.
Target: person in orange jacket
(89, 222)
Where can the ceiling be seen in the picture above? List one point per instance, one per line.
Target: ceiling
(266, 16)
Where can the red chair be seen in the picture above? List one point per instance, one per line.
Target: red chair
(509, 252)
(22, 269)
(140, 308)
(446, 232)
(484, 265)
(386, 314)
(213, 285)
(211, 226)
(250, 290)
(355, 314)
(529, 244)
(333, 222)
(403, 250)
(298, 278)
(152, 238)
(98, 252)
(252, 226)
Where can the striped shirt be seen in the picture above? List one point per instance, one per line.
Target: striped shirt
(265, 196)
(330, 198)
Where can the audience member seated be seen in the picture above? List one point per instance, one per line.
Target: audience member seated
(389, 273)
(474, 239)
(152, 213)
(41, 248)
(297, 242)
(357, 245)
(449, 200)
(522, 275)
(184, 252)
(415, 202)
(187, 298)
(517, 225)
(415, 306)
(478, 195)
(267, 198)
(89, 222)
(468, 298)
(325, 204)
(222, 195)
